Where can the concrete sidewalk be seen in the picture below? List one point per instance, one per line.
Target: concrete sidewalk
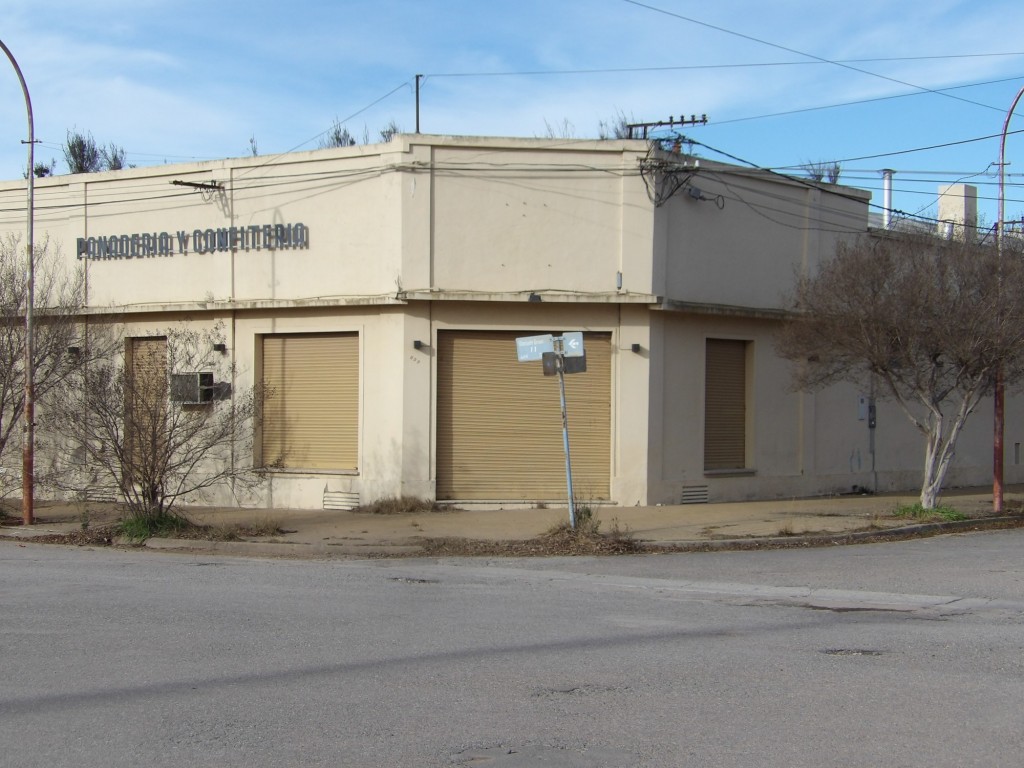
(328, 533)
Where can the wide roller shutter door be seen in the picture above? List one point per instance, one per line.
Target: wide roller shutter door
(311, 418)
(499, 430)
(725, 404)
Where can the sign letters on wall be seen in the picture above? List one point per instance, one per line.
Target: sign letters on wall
(256, 237)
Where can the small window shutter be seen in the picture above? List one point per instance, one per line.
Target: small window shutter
(725, 404)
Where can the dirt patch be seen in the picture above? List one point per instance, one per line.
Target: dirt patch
(92, 537)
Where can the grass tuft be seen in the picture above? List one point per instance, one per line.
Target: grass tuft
(941, 513)
(239, 531)
(587, 525)
(403, 505)
(138, 528)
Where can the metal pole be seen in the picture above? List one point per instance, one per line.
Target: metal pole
(565, 440)
(28, 449)
(418, 79)
(998, 396)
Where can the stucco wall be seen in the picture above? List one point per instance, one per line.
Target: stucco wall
(742, 237)
(427, 233)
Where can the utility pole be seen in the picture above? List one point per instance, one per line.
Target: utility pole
(28, 448)
(644, 128)
(998, 395)
(419, 79)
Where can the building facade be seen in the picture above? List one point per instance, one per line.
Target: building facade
(377, 291)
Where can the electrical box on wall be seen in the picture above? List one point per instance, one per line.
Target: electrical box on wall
(866, 410)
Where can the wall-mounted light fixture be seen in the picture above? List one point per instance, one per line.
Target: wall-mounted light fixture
(417, 344)
(635, 348)
(74, 351)
(220, 347)
(534, 298)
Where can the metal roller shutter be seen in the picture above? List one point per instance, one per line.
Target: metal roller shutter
(311, 419)
(499, 430)
(725, 404)
(145, 403)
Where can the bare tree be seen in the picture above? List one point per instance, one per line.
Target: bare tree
(42, 170)
(337, 136)
(83, 155)
(615, 128)
(156, 423)
(388, 132)
(58, 300)
(823, 170)
(563, 130)
(113, 158)
(930, 321)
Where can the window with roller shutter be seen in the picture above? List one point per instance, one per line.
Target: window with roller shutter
(311, 416)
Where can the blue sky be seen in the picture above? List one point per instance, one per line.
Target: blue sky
(873, 84)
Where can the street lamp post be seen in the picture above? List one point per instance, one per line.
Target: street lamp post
(28, 449)
(998, 395)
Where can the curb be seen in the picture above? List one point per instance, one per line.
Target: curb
(298, 550)
(920, 530)
(280, 548)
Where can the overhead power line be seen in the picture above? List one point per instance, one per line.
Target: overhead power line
(821, 59)
(894, 96)
(910, 151)
(730, 65)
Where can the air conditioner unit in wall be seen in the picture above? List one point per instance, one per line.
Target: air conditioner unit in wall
(194, 388)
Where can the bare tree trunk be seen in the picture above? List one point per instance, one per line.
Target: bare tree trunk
(931, 484)
(940, 449)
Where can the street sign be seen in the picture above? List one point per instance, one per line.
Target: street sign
(572, 344)
(530, 348)
(560, 355)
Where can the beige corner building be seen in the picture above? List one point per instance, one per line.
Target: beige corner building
(379, 292)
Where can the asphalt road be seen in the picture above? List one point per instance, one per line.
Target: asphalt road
(900, 654)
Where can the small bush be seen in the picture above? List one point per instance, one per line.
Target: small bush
(941, 513)
(141, 527)
(586, 523)
(618, 532)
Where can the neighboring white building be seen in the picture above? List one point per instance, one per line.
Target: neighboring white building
(380, 290)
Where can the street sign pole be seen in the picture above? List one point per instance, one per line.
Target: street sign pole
(565, 439)
(560, 355)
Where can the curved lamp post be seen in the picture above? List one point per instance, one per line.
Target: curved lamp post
(28, 449)
(998, 395)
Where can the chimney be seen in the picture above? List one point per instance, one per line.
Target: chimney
(887, 199)
(958, 211)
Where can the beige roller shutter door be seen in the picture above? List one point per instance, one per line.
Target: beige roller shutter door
(499, 430)
(725, 404)
(145, 403)
(311, 419)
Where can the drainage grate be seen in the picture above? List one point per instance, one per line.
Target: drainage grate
(343, 500)
(695, 494)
